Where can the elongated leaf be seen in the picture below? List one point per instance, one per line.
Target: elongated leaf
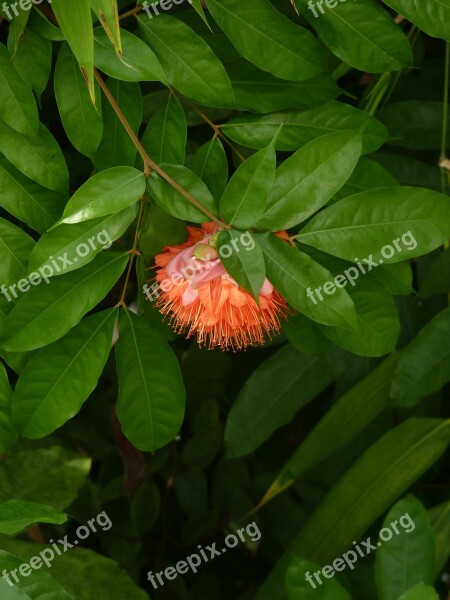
(189, 63)
(69, 367)
(245, 197)
(173, 202)
(269, 39)
(363, 493)
(387, 224)
(105, 193)
(8, 433)
(367, 175)
(434, 22)
(414, 123)
(299, 128)
(420, 592)
(17, 515)
(107, 12)
(308, 179)
(17, 104)
(211, 165)
(421, 372)
(47, 313)
(263, 405)
(440, 521)
(165, 136)
(408, 557)
(74, 18)
(15, 248)
(39, 158)
(67, 243)
(361, 34)
(33, 60)
(243, 259)
(151, 391)
(295, 275)
(346, 418)
(81, 119)
(299, 586)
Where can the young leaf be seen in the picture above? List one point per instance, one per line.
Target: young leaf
(17, 515)
(165, 136)
(151, 390)
(70, 367)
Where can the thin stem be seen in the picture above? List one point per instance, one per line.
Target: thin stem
(445, 115)
(150, 164)
(132, 12)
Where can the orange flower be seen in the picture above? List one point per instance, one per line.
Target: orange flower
(199, 296)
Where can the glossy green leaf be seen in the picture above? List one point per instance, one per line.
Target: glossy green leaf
(68, 368)
(263, 405)
(18, 21)
(17, 515)
(243, 259)
(309, 178)
(295, 274)
(269, 39)
(33, 60)
(363, 493)
(367, 175)
(434, 22)
(189, 64)
(173, 202)
(8, 433)
(245, 197)
(362, 34)
(151, 390)
(46, 313)
(15, 248)
(67, 243)
(387, 224)
(17, 104)
(81, 119)
(420, 592)
(299, 128)
(138, 62)
(211, 165)
(298, 586)
(164, 138)
(423, 367)
(407, 558)
(105, 193)
(39, 158)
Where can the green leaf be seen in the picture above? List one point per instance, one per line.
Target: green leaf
(107, 12)
(420, 592)
(164, 138)
(33, 60)
(243, 259)
(151, 391)
(138, 63)
(245, 197)
(173, 202)
(15, 248)
(423, 367)
(437, 277)
(74, 18)
(407, 558)
(261, 91)
(70, 367)
(50, 476)
(105, 193)
(81, 120)
(263, 405)
(297, 585)
(64, 243)
(45, 314)
(39, 158)
(309, 178)
(17, 515)
(8, 433)
(440, 522)
(363, 493)
(211, 165)
(116, 148)
(16, 27)
(367, 175)
(414, 123)
(299, 128)
(17, 104)
(434, 22)
(189, 63)
(347, 417)
(295, 274)
(361, 34)
(269, 39)
(387, 224)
